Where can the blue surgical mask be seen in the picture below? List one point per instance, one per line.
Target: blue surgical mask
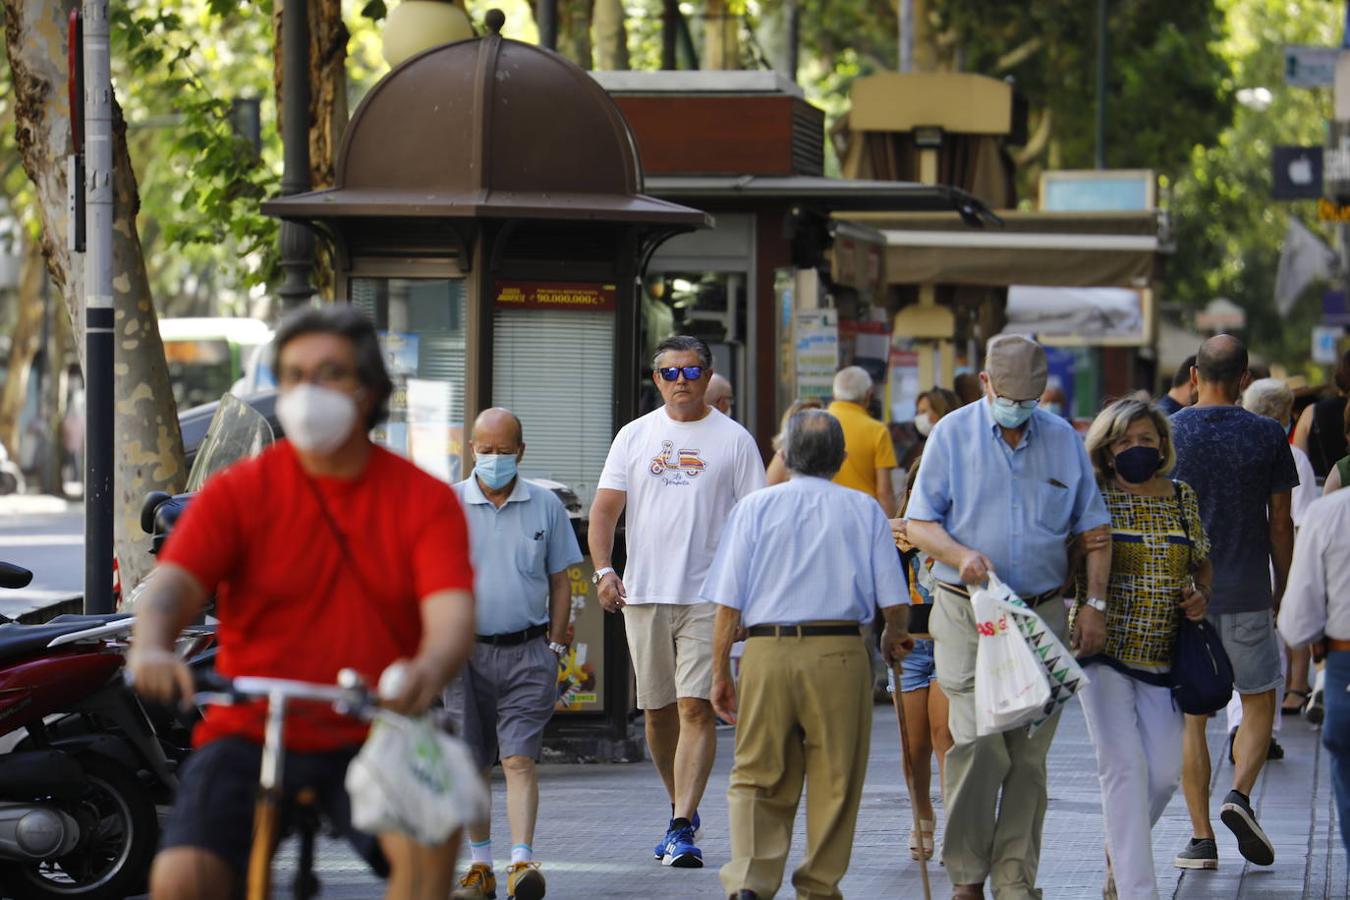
(1012, 413)
(495, 469)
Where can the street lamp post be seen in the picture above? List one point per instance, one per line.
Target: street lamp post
(297, 241)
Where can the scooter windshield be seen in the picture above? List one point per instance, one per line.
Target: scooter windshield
(237, 431)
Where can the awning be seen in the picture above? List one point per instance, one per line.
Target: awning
(825, 193)
(1118, 249)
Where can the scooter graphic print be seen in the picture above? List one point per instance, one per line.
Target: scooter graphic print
(668, 460)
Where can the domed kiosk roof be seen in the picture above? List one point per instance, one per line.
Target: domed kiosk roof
(488, 128)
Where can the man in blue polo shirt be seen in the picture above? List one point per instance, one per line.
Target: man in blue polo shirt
(1003, 487)
(522, 543)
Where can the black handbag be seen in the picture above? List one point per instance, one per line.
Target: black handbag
(1202, 674)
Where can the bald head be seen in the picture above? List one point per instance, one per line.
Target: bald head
(497, 430)
(719, 394)
(1222, 361)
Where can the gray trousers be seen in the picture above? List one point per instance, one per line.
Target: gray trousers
(995, 785)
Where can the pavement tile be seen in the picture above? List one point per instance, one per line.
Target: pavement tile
(598, 824)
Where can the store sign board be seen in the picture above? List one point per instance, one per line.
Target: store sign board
(1325, 341)
(556, 295)
(1296, 173)
(817, 352)
(1310, 67)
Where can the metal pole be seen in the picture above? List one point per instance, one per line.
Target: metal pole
(98, 313)
(297, 241)
(1100, 154)
(906, 35)
(794, 38)
(546, 14)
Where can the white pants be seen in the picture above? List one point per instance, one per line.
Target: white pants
(1137, 734)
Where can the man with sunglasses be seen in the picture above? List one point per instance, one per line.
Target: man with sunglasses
(1001, 488)
(677, 471)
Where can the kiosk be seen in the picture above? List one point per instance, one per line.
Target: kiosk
(488, 214)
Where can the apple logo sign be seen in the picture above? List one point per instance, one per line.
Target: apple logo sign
(1301, 170)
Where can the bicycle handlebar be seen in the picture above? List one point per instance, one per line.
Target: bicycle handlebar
(349, 696)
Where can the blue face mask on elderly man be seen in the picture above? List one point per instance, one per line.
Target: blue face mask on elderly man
(495, 469)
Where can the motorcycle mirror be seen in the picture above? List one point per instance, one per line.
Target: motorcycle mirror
(148, 506)
(14, 577)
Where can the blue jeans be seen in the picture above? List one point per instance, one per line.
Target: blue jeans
(1336, 735)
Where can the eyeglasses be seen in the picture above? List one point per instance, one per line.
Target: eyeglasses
(1016, 404)
(324, 375)
(691, 373)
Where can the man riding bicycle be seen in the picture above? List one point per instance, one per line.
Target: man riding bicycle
(323, 552)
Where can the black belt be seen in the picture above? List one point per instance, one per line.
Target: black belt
(512, 638)
(803, 630)
(1037, 600)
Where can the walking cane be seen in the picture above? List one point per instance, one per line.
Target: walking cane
(909, 781)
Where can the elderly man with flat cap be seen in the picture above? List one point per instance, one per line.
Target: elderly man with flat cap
(1003, 487)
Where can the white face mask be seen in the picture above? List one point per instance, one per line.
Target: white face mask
(923, 423)
(316, 419)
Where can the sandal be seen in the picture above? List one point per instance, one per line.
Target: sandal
(1302, 705)
(928, 826)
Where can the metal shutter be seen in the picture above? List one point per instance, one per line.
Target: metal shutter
(555, 370)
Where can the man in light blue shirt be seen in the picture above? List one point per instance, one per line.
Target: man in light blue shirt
(1003, 487)
(522, 543)
(801, 566)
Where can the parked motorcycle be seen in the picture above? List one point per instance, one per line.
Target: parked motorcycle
(77, 804)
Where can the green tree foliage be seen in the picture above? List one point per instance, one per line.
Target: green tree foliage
(1228, 230)
(1168, 86)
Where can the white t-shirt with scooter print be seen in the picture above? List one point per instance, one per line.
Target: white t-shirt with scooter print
(682, 479)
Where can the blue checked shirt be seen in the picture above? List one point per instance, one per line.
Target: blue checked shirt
(806, 551)
(1017, 507)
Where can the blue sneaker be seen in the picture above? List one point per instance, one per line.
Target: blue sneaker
(680, 850)
(659, 851)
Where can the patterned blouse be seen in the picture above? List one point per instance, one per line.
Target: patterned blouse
(1152, 556)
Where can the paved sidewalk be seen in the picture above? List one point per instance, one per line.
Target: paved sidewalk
(598, 825)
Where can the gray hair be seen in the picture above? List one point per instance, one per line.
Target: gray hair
(851, 384)
(348, 322)
(1269, 397)
(683, 343)
(814, 443)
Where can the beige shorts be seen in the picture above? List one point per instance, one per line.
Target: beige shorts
(671, 647)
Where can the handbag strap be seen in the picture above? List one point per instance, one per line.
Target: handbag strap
(1185, 528)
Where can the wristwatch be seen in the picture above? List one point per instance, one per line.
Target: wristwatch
(557, 648)
(1096, 603)
(601, 573)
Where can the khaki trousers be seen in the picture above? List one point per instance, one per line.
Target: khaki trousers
(805, 711)
(988, 835)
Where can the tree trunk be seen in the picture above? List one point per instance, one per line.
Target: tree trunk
(574, 31)
(721, 36)
(611, 36)
(24, 346)
(149, 446)
(327, 104)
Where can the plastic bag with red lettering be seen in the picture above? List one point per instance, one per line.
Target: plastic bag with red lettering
(1011, 689)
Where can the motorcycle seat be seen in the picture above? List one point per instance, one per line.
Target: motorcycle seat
(24, 640)
(89, 621)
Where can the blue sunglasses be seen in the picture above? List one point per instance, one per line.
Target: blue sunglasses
(691, 373)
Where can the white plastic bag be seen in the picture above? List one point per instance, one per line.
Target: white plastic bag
(1010, 686)
(411, 777)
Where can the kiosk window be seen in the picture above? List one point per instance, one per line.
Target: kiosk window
(555, 370)
(421, 324)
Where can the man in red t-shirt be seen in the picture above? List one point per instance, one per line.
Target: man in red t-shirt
(323, 552)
